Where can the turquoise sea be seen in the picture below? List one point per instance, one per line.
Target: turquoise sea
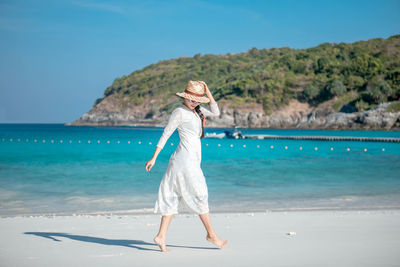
(57, 169)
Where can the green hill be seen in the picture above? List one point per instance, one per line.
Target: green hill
(359, 75)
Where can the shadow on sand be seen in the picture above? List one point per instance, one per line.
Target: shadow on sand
(105, 241)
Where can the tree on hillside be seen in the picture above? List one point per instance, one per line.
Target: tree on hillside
(336, 88)
(378, 91)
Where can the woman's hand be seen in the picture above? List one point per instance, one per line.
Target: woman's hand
(205, 86)
(150, 164)
(208, 92)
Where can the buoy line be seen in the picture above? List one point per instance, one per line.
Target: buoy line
(52, 141)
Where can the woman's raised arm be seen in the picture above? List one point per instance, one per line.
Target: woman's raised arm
(213, 112)
(213, 105)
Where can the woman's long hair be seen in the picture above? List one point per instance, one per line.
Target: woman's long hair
(203, 120)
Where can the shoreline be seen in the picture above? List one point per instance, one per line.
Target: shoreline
(148, 211)
(336, 128)
(394, 129)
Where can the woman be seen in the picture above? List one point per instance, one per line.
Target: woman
(183, 184)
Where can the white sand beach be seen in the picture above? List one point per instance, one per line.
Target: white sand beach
(320, 238)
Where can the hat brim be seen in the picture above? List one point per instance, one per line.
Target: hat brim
(201, 99)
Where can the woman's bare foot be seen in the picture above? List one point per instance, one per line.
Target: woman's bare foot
(217, 241)
(161, 243)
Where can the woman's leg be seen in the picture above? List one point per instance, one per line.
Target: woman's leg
(160, 237)
(211, 235)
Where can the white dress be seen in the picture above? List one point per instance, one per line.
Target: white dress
(183, 186)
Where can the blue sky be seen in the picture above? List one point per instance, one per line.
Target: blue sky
(57, 57)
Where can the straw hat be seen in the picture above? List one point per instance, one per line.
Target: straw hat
(194, 91)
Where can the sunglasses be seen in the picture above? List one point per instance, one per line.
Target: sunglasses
(193, 102)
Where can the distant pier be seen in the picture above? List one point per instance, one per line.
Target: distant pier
(324, 138)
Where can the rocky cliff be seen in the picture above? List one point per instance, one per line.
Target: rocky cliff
(298, 115)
